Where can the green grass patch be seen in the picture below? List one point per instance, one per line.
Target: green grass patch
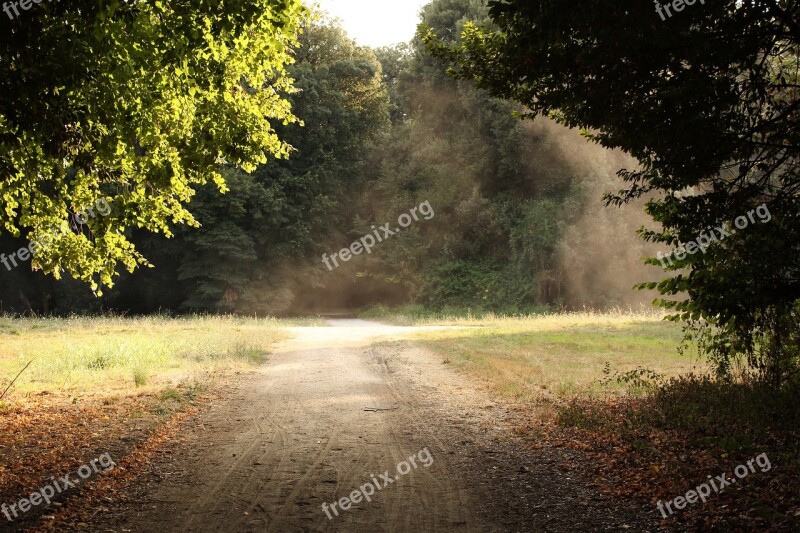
(562, 356)
(113, 354)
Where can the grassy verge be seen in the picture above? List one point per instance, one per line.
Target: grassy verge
(416, 315)
(558, 357)
(652, 423)
(117, 355)
(109, 385)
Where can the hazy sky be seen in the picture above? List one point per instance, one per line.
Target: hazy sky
(377, 22)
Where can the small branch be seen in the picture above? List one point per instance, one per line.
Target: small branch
(15, 379)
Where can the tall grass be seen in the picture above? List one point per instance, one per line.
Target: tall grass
(120, 353)
(415, 315)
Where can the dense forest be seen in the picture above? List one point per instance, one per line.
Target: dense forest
(519, 222)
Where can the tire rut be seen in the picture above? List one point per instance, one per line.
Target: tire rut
(333, 408)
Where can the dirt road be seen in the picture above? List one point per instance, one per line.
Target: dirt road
(335, 408)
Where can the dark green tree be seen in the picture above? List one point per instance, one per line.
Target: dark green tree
(707, 101)
(394, 63)
(262, 242)
(503, 192)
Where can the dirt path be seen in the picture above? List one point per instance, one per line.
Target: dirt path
(335, 408)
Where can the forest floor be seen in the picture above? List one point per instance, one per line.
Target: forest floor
(421, 411)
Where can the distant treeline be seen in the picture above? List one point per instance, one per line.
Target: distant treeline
(519, 222)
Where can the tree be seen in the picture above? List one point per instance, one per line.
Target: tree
(286, 212)
(394, 62)
(504, 191)
(137, 104)
(707, 101)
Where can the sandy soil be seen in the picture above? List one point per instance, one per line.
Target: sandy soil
(338, 405)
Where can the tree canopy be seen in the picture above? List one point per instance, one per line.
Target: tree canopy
(286, 210)
(383, 131)
(707, 102)
(137, 104)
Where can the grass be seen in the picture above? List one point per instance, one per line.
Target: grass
(616, 387)
(560, 356)
(690, 426)
(120, 354)
(111, 384)
(308, 322)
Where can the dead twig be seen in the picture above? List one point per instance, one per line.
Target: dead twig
(15, 379)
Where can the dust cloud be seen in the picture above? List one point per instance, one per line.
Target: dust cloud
(601, 256)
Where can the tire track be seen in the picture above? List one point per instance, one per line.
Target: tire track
(299, 433)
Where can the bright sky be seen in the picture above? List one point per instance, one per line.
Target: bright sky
(377, 22)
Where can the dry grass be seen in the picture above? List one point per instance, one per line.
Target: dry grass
(93, 355)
